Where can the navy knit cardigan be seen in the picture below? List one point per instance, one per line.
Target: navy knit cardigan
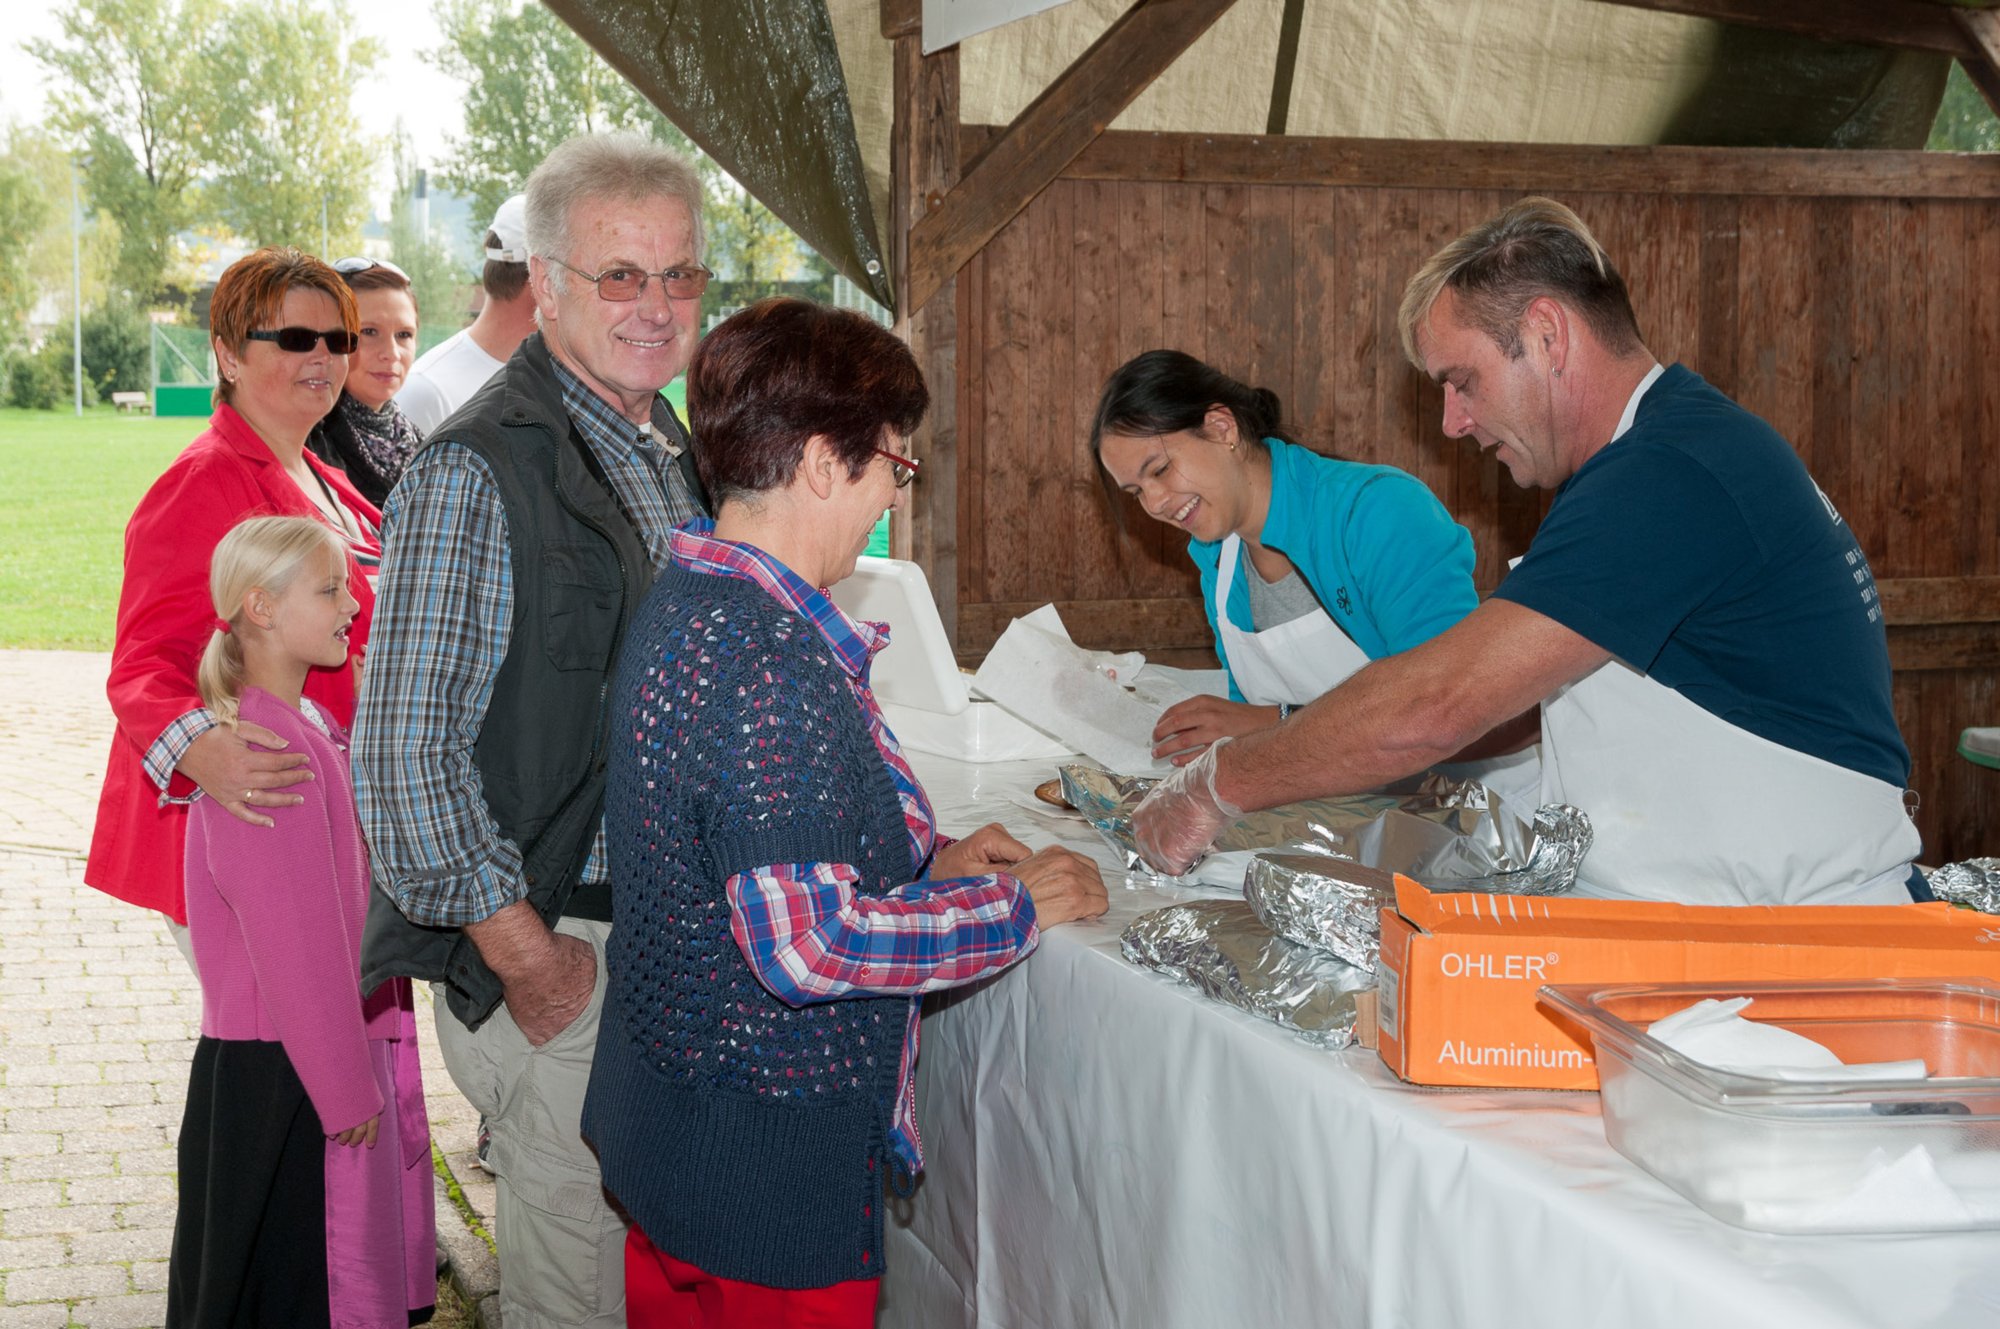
(743, 1136)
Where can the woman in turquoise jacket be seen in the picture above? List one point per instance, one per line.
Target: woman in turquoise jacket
(1310, 566)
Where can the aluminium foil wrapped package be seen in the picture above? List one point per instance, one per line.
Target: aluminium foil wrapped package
(1449, 834)
(1336, 905)
(1222, 948)
(1326, 903)
(1974, 883)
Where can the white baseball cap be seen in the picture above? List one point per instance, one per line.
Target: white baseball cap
(510, 224)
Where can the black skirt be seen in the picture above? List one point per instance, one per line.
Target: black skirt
(250, 1232)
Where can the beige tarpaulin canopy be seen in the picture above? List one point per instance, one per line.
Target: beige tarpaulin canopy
(793, 97)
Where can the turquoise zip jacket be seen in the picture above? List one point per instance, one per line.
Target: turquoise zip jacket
(1380, 552)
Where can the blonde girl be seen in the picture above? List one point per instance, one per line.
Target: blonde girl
(305, 1193)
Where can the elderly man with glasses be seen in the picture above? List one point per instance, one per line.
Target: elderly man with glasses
(518, 545)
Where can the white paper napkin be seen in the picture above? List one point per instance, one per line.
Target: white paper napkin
(1713, 1033)
(1039, 675)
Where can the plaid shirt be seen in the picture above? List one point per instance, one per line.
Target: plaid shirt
(805, 931)
(444, 615)
(165, 754)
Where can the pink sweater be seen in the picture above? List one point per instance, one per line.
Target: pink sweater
(276, 917)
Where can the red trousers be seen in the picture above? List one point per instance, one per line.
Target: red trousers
(664, 1293)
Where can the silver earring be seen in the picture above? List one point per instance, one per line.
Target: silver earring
(1558, 373)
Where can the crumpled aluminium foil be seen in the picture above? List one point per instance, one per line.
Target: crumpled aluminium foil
(1220, 947)
(1326, 903)
(1335, 905)
(1974, 883)
(1443, 832)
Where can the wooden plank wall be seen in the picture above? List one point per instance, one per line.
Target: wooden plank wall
(1850, 298)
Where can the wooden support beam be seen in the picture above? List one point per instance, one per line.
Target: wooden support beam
(1915, 25)
(1049, 134)
(924, 156)
(902, 18)
(1931, 601)
(1982, 32)
(1946, 646)
(1551, 167)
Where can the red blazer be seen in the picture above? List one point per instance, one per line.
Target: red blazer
(164, 621)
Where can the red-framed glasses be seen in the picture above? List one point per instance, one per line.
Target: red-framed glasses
(906, 468)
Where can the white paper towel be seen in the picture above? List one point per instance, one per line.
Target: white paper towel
(1077, 696)
(1715, 1034)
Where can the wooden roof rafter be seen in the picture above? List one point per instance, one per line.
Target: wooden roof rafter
(1048, 134)
(1075, 109)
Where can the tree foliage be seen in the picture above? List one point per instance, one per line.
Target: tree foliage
(438, 280)
(532, 82)
(49, 248)
(750, 247)
(1964, 123)
(117, 346)
(23, 210)
(126, 87)
(45, 379)
(287, 150)
(231, 110)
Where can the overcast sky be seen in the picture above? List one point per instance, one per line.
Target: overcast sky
(403, 85)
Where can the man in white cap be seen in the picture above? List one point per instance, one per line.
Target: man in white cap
(447, 375)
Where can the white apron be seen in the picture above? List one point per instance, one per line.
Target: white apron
(1304, 659)
(1293, 663)
(1686, 806)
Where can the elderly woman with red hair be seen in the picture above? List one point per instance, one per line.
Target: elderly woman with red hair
(781, 894)
(283, 324)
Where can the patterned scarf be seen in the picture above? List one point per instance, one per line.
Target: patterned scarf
(372, 446)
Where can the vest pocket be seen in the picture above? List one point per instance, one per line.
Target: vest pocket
(582, 590)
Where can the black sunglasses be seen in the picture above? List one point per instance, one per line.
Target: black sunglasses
(300, 340)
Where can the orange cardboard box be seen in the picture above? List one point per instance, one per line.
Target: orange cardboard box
(1459, 971)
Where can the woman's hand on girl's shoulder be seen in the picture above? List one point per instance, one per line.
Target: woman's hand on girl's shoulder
(241, 780)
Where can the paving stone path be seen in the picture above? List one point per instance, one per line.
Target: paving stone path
(98, 1017)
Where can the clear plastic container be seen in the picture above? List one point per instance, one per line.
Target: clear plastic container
(1787, 1156)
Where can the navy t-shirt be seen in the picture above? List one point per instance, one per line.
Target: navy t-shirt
(1698, 550)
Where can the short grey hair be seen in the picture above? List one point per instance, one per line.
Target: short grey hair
(627, 168)
(1497, 269)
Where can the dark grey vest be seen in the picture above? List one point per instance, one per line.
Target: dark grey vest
(580, 571)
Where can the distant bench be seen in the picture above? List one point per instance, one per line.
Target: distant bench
(131, 401)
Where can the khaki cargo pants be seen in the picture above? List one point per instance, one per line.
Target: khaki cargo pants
(562, 1249)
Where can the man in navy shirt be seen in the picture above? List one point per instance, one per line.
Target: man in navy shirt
(1694, 624)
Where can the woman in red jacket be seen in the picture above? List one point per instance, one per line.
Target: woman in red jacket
(283, 324)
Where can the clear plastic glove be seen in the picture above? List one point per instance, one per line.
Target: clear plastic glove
(1175, 824)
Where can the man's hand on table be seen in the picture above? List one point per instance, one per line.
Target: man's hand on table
(1187, 728)
(1064, 885)
(988, 849)
(1183, 814)
(547, 976)
(241, 781)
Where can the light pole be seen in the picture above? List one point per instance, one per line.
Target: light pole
(76, 283)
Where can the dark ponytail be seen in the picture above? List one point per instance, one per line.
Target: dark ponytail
(1165, 392)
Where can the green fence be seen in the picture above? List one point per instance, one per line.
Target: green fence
(183, 370)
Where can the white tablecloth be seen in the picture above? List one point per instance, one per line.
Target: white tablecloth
(1108, 1148)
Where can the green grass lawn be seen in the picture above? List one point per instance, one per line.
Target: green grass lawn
(67, 486)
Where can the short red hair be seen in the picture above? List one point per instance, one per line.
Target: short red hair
(253, 290)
